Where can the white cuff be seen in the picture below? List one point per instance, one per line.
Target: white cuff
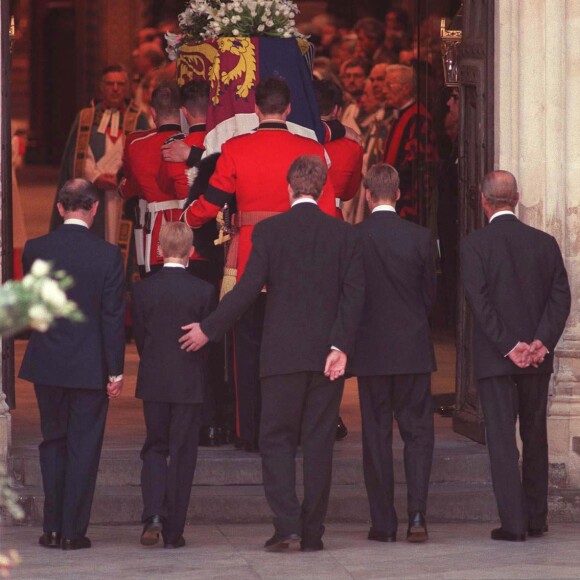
(115, 378)
(512, 350)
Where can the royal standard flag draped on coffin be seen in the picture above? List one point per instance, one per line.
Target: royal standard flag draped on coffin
(233, 66)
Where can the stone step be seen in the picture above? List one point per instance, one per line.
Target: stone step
(226, 466)
(458, 502)
(246, 504)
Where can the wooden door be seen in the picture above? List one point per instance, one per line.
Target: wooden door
(475, 160)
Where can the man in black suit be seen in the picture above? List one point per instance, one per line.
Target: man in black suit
(171, 383)
(394, 356)
(312, 268)
(517, 287)
(74, 366)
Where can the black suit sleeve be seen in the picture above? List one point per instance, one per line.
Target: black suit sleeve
(113, 315)
(344, 329)
(27, 259)
(476, 289)
(429, 276)
(236, 302)
(557, 307)
(138, 318)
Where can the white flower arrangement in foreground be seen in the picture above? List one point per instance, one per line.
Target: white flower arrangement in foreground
(37, 300)
(208, 19)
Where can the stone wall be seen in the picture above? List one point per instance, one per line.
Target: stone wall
(537, 80)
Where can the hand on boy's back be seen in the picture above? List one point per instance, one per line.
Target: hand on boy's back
(194, 339)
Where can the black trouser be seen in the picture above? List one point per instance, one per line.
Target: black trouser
(521, 501)
(72, 422)
(247, 341)
(172, 432)
(408, 399)
(298, 408)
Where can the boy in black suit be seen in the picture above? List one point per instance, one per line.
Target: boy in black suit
(171, 383)
(393, 357)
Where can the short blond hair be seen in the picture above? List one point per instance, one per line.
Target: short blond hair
(175, 240)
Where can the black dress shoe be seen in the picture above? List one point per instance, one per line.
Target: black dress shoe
(209, 436)
(50, 540)
(381, 536)
(417, 530)
(151, 530)
(179, 543)
(311, 546)
(537, 532)
(78, 544)
(501, 534)
(278, 543)
(341, 430)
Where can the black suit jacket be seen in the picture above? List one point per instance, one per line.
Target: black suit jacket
(518, 290)
(394, 336)
(311, 264)
(162, 304)
(80, 354)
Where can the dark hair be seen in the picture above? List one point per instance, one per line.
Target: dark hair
(77, 194)
(113, 68)
(328, 95)
(307, 176)
(272, 95)
(382, 180)
(372, 27)
(166, 99)
(195, 95)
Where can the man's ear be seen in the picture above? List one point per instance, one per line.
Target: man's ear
(398, 197)
(288, 110)
(94, 207)
(191, 252)
(60, 209)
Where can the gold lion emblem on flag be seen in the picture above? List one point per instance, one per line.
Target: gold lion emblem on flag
(212, 61)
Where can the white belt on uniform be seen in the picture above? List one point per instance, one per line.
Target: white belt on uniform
(154, 208)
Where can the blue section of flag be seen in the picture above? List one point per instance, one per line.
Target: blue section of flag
(282, 57)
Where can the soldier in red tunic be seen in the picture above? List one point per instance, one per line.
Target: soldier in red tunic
(346, 160)
(346, 155)
(144, 161)
(252, 168)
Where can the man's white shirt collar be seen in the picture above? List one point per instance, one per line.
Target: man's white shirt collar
(303, 200)
(173, 265)
(76, 222)
(502, 212)
(384, 207)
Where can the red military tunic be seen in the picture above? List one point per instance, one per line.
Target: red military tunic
(129, 187)
(172, 177)
(144, 161)
(345, 173)
(253, 168)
